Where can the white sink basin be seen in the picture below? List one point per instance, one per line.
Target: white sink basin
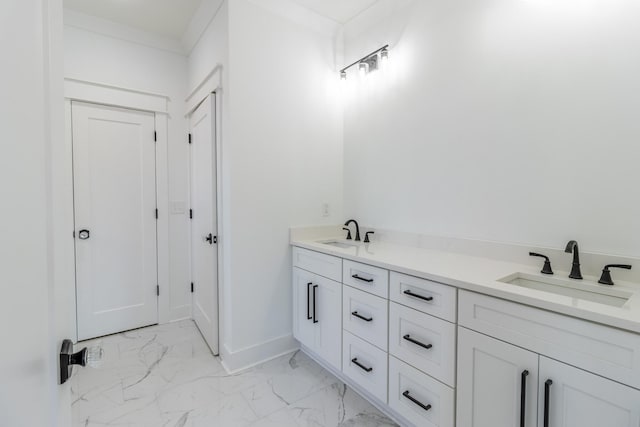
(343, 244)
(579, 290)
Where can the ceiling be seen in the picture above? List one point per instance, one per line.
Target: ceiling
(166, 17)
(340, 11)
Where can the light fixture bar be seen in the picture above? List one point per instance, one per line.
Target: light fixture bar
(364, 58)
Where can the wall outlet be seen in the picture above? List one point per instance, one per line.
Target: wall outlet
(325, 209)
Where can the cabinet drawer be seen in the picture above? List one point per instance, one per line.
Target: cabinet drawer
(325, 265)
(600, 349)
(366, 365)
(366, 277)
(429, 297)
(410, 331)
(433, 402)
(365, 315)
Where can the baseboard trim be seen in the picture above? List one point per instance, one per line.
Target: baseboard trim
(236, 361)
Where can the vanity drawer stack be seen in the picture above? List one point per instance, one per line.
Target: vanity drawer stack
(391, 334)
(422, 350)
(365, 320)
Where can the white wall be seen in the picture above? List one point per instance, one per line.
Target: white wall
(502, 120)
(282, 159)
(99, 58)
(286, 143)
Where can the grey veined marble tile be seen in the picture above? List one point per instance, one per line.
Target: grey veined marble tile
(165, 376)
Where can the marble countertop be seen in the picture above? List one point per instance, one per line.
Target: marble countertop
(482, 275)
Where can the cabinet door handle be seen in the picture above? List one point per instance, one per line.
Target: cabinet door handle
(523, 396)
(547, 393)
(411, 294)
(359, 365)
(416, 401)
(355, 276)
(359, 316)
(315, 320)
(308, 308)
(411, 340)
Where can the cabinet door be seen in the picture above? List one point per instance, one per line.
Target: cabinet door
(303, 327)
(494, 378)
(577, 398)
(326, 297)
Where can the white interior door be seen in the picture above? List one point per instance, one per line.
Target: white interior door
(204, 247)
(114, 162)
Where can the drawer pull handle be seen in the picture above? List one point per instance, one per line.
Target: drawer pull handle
(411, 294)
(359, 365)
(359, 316)
(355, 276)
(411, 340)
(416, 401)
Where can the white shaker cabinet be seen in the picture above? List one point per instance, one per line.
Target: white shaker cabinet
(317, 315)
(497, 383)
(571, 397)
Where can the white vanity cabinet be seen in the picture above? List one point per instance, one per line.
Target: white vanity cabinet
(571, 397)
(504, 385)
(317, 308)
(433, 355)
(494, 380)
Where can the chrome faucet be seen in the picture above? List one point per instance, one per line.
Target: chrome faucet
(357, 228)
(572, 246)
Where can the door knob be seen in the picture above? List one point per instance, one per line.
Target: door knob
(84, 234)
(209, 239)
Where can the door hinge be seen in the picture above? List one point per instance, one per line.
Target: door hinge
(158, 290)
(155, 136)
(191, 287)
(189, 138)
(190, 213)
(156, 213)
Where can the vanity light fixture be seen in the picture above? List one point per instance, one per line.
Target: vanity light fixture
(368, 63)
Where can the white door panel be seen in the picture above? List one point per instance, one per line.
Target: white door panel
(492, 376)
(115, 200)
(580, 399)
(204, 248)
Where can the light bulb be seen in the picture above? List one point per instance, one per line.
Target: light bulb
(343, 75)
(384, 55)
(364, 68)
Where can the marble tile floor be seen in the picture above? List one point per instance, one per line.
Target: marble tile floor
(165, 376)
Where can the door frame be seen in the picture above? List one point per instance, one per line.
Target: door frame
(215, 103)
(102, 94)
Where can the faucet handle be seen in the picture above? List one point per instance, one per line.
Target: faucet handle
(547, 264)
(348, 233)
(606, 279)
(366, 236)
